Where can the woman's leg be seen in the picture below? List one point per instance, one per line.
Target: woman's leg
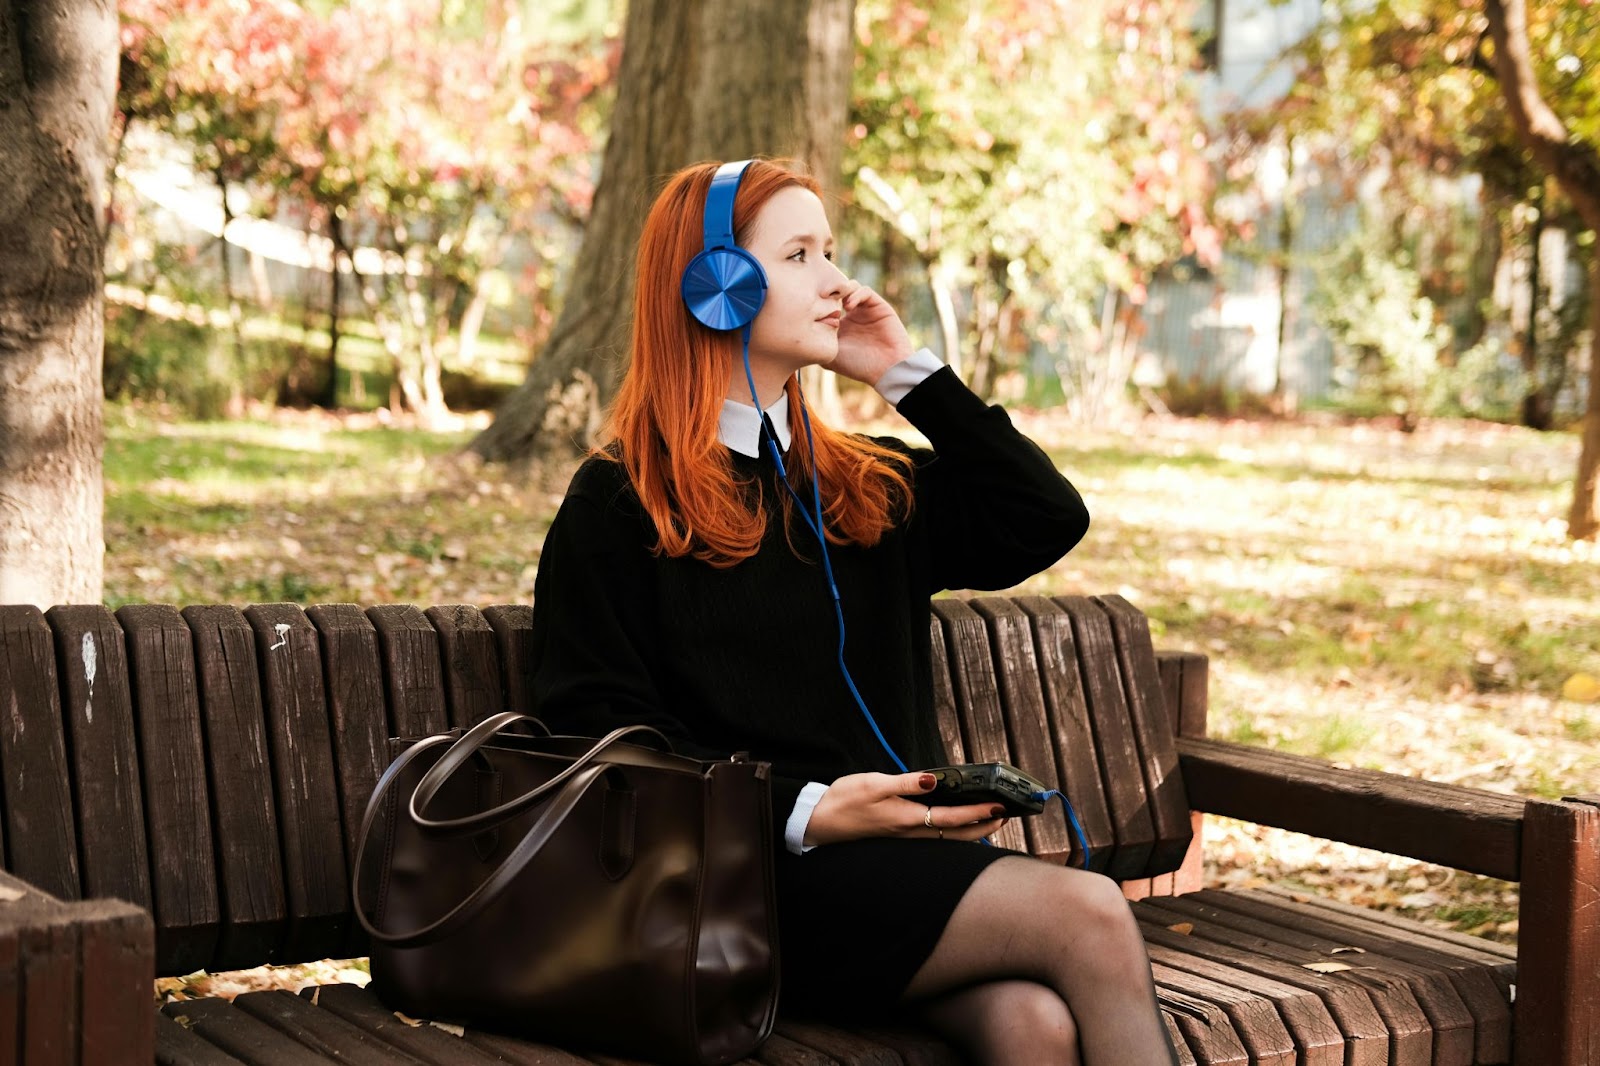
(1068, 930)
(1000, 1023)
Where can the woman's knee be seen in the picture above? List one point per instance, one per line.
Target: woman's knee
(1027, 1022)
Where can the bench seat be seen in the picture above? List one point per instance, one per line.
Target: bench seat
(208, 766)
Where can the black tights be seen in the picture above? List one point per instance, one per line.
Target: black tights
(1041, 964)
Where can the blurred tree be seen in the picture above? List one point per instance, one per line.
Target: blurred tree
(698, 81)
(1045, 158)
(1571, 155)
(58, 68)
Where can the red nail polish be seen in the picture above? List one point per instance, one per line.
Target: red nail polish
(927, 781)
(997, 812)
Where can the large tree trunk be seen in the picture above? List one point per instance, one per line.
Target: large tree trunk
(698, 81)
(58, 68)
(1576, 165)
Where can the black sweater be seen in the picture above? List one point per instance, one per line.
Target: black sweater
(745, 658)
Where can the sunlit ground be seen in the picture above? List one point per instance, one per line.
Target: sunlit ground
(1407, 603)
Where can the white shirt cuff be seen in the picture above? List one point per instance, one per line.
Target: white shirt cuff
(794, 830)
(907, 374)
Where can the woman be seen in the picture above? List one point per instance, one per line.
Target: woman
(682, 586)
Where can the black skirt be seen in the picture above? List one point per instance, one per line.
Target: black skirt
(858, 919)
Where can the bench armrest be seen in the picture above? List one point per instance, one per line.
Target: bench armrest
(77, 977)
(1466, 828)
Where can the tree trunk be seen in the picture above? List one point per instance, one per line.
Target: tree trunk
(698, 81)
(1576, 165)
(58, 69)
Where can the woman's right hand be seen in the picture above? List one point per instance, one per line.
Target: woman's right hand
(885, 805)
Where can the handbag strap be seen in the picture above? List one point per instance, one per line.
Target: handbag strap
(464, 749)
(573, 783)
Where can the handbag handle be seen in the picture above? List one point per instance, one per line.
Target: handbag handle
(575, 781)
(476, 737)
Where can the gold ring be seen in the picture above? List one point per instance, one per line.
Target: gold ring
(927, 817)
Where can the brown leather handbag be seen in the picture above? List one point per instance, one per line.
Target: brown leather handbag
(621, 899)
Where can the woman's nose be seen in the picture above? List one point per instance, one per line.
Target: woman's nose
(834, 280)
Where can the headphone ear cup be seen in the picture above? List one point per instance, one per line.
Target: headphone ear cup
(724, 288)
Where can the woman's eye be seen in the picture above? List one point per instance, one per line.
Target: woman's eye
(800, 255)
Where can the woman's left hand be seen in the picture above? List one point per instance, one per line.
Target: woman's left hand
(871, 336)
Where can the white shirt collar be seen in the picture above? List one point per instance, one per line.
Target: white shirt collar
(739, 425)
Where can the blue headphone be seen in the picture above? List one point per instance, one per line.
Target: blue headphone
(724, 285)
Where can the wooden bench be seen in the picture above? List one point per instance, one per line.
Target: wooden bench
(208, 767)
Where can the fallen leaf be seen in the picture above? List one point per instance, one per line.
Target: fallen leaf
(453, 1030)
(10, 895)
(1581, 688)
(1182, 927)
(1328, 967)
(409, 1021)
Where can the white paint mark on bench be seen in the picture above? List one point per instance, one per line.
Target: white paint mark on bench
(88, 674)
(282, 629)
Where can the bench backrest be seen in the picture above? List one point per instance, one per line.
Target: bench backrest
(212, 764)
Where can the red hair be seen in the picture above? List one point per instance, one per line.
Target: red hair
(664, 419)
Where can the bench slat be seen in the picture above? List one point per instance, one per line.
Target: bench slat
(250, 866)
(177, 1046)
(1364, 1031)
(1152, 730)
(422, 1041)
(1120, 774)
(1410, 1030)
(40, 837)
(978, 697)
(320, 1030)
(1071, 729)
(513, 630)
(115, 955)
(944, 696)
(523, 1053)
(413, 677)
(1447, 1015)
(93, 664)
(846, 1048)
(1210, 1036)
(246, 1038)
(316, 882)
(1181, 1046)
(1502, 958)
(183, 881)
(470, 659)
(1489, 1007)
(1257, 1024)
(1017, 671)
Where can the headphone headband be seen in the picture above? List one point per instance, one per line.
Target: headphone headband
(719, 204)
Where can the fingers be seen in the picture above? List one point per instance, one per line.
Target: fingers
(912, 784)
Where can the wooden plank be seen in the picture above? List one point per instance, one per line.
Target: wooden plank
(1365, 1033)
(1175, 1037)
(1504, 955)
(1411, 1033)
(177, 1046)
(513, 631)
(249, 855)
(916, 1047)
(40, 837)
(1120, 773)
(1558, 985)
(358, 719)
(413, 676)
(779, 1050)
(422, 1041)
(524, 1052)
(1489, 1005)
(944, 696)
(116, 966)
(47, 967)
(1185, 681)
(244, 1037)
(470, 659)
(1069, 725)
(166, 702)
(1152, 730)
(1027, 722)
(11, 968)
(978, 697)
(1207, 1029)
(849, 1049)
(1453, 1022)
(1254, 1019)
(108, 796)
(316, 885)
(1467, 828)
(321, 1030)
